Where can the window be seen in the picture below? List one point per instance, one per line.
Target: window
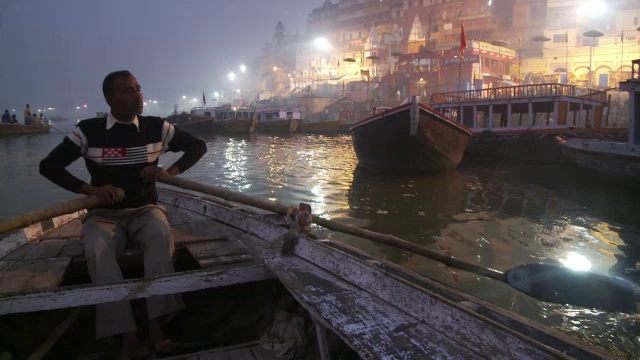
(560, 38)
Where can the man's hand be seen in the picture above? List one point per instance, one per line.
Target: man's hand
(152, 173)
(107, 193)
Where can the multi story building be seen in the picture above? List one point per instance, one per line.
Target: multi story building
(588, 42)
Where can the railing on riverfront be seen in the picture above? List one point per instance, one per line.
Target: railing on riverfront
(520, 91)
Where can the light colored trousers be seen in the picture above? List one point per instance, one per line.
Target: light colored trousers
(104, 236)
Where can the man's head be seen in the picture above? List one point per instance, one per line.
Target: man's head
(6, 111)
(122, 92)
(27, 106)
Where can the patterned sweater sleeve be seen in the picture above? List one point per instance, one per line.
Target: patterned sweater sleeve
(176, 140)
(53, 167)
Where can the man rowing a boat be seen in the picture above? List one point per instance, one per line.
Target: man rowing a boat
(121, 152)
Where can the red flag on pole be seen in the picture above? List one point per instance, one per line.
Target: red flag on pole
(204, 100)
(463, 40)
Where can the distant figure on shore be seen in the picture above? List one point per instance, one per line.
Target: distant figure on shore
(27, 115)
(6, 117)
(41, 120)
(13, 119)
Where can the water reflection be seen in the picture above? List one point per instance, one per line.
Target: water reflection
(496, 215)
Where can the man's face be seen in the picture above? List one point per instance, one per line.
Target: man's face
(127, 97)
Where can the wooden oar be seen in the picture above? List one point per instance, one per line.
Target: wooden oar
(544, 282)
(63, 208)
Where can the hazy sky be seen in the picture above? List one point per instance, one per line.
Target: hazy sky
(55, 53)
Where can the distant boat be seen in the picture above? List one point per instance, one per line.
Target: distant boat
(192, 123)
(58, 118)
(409, 138)
(282, 119)
(19, 129)
(231, 119)
(320, 123)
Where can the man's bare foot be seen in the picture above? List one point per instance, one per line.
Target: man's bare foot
(158, 343)
(132, 347)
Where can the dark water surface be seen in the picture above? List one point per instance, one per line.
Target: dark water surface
(498, 215)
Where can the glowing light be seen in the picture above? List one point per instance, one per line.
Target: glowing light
(243, 68)
(232, 76)
(194, 100)
(275, 68)
(77, 107)
(184, 96)
(592, 8)
(84, 106)
(216, 95)
(322, 44)
(144, 103)
(576, 261)
(155, 101)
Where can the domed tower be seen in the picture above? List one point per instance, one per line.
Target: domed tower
(279, 33)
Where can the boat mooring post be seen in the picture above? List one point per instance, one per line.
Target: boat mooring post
(632, 86)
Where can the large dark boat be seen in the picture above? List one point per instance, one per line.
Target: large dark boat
(409, 138)
(192, 123)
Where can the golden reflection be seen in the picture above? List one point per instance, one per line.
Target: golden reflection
(235, 166)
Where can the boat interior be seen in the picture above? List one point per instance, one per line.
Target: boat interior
(248, 299)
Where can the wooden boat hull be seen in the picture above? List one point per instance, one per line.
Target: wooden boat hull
(523, 145)
(409, 138)
(277, 126)
(616, 165)
(18, 129)
(344, 128)
(236, 126)
(320, 127)
(193, 124)
(361, 300)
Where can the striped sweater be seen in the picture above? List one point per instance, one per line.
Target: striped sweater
(116, 155)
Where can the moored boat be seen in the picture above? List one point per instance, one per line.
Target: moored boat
(192, 123)
(524, 122)
(18, 129)
(278, 119)
(378, 309)
(409, 138)
(320, 123)
(616, 159)
(231, 119)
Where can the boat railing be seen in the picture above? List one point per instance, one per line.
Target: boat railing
(533, 90)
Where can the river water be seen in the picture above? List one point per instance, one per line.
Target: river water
(495, 214)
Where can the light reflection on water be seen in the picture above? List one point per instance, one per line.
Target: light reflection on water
(495, 215)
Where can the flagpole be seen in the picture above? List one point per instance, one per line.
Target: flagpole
(460, 74)
(622, 54)
(463, 45)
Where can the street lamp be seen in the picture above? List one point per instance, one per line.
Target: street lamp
(322, 44)
(231, 76)
(592, 34)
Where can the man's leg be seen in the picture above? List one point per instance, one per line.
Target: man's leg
(103, 240)
(151, 229)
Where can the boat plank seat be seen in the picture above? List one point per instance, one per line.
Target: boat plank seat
(220, 251)
(31, 275)
(249, 351)
(374, 327)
